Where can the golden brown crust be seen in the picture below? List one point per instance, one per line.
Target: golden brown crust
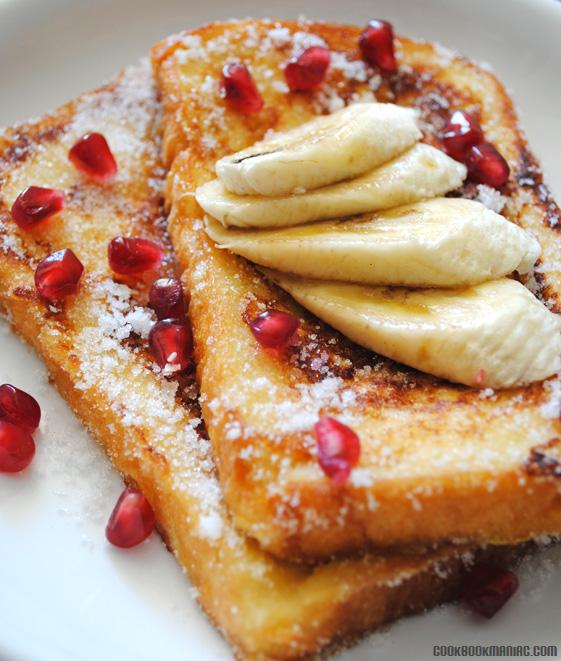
(150, 430)
(438, 461)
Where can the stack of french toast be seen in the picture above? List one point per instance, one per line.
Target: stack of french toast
(313, 489)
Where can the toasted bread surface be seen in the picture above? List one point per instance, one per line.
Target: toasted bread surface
(438, 461)
(95, 349)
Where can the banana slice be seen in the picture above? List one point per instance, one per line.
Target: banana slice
(444, 242)
(498, 327)
(325, 150)
(420, 173)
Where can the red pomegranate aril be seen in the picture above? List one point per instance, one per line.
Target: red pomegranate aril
(92, 156)
(274, 329)
(58, 275)
(36, 204)
(19, 408)
(132, 255)
(166, 298)
(461, 133)
(338, 449)
(17, 448)
(131, 521)
(486, 166)
(376, 45)
(308, 70)
(487, 588)
(171, 343)
(238, 89)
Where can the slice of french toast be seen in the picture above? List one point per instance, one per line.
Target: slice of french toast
(438, 461)
(95, 349)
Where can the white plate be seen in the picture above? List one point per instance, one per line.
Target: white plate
(65, 595)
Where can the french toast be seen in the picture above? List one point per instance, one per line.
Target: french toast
(438, 461)
(150, 426)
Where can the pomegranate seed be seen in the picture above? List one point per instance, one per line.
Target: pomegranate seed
(376, 45)
(274, 329)
(16, 448)
(486, 166)
(171, 343)
(338, 448)
(461, 133)
(128, 255)
(58, 275)
(19, 408)
(35, 204)
(238, 88)
(131, 520)
(166, 298)
(92, 156)
(487, 589)
(308, 70)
